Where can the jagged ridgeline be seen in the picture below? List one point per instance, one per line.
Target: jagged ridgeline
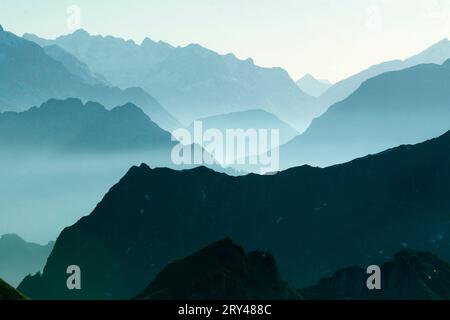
(314, 221)
(408, 276)
(224, 271)
(221, 271)
(31, 75)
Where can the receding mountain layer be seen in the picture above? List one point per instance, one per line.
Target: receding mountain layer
(402, 107)
(71, 126)
(30, 76)
(314, 221)
(19, 258)
(437, 53)
(248, 120)
(313, 86)
(192, 82)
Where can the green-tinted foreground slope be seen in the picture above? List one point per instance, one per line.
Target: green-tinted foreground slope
(9, 293)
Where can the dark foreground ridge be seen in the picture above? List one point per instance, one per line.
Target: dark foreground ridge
(222, 271)
(314, 221)
(9, 293)
(409, 276)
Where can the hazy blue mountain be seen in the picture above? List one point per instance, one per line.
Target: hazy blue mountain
(407, 106)
(221, 271)
(192, 82)
(73, 65)
(69, 125)
(7, 292)
(251, 119)
(437, 53)
(29, 76)
(408, 276)
(19, 258)
(313, 86)
(63, 151)
(358, 213)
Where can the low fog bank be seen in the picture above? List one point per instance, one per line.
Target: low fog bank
(42, 193)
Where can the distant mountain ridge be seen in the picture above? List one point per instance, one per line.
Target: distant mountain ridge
(248, 120)
(400, 107)
(358, 213)
(437, 54)
(29, 76)
(69, 125)
(19, 258)
(313, 86)
(191, 82)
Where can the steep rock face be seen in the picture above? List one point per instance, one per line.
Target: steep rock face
(409, 276)
(221, 271)
(314, 221)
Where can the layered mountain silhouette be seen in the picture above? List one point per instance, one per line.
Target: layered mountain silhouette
(70, 125)
(401, 107)
(409, 276)
(314, 221)
(313, 86)
(248, 120)
(220, 271)
(19, 258)
(192, 82)
(9, 293)
(437, 54)
(74, 66)
(31, 75)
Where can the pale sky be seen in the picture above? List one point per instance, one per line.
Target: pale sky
(330, 39)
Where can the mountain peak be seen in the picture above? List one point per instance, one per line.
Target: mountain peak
(1, 28)
(81, 32)
(147, 41)
(312, 86)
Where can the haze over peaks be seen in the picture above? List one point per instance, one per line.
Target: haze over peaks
(32, 75)
(394, 108)
(313, 86)
(192, 82)
(387, 201)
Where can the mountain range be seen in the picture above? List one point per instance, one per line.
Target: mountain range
(399, 107)
(19, 258)
(358, 213)
(438, 53)
(192, 82)
(69, 125)
(31, 75)
(223, 271)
